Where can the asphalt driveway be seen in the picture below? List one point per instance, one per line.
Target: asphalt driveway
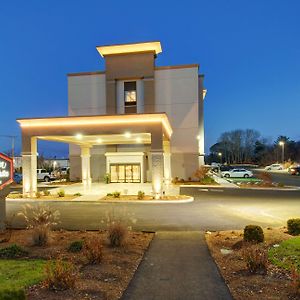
(216, 209)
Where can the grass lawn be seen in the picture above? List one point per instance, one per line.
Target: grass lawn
(287, 254)
(18, 274)
(243, 180)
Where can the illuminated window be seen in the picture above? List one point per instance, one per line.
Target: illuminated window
(130, 93)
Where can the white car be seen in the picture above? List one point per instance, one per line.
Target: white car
(43, 174)
(274, 167)
(237, 173)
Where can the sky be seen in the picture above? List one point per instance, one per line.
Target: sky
(249, 52)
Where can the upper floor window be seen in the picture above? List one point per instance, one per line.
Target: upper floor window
(130, 93)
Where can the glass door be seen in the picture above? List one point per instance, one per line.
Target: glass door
(128, 173)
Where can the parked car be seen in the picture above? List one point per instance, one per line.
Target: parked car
(18, 178)
(274, 167)
(221, 168)
(294, 170)
(44, 175)
(237, 173)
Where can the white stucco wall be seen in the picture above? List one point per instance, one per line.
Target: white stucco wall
(176, 93)
(87, 95)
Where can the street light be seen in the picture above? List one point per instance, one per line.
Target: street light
(220, 155)
(281, 143)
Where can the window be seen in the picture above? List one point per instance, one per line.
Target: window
(130, 93)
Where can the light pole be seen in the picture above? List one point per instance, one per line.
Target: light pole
(220, 155)
(281, 143)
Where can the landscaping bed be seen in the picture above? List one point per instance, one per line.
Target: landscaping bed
(107, 279)
(228, 250)
(41, 196)
(144, 198)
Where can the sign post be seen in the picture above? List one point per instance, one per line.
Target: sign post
(6, 178)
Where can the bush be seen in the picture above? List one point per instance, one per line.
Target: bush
(13, 251)
(109, 194)
(75, 246)
(253, 233)
(38, 194)
(117, 234)
(201, 173)
(12, 294)
(61, 193)
(141, 195)
(293, 226)
(116, 194)
(256, 259)
(46, 193)
(60, 275)
(93, 250)
(40, 219)
(295, 275)
(77, 194)
(265, 177)
(107, 178)
(207, 180)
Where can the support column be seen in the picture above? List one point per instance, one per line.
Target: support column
(86, 165)
(167, 163)
(29, 165)
(200, 137)
(157, 160)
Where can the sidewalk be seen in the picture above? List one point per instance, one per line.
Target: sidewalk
(177, 266)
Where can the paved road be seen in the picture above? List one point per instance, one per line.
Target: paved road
(284, 178)
(217, 209)
(177, 266)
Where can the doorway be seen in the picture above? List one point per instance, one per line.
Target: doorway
(125, 173)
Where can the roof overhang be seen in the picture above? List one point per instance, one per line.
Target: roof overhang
(130, 48)
(65, 125)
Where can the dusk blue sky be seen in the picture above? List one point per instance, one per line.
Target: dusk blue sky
(249, 52)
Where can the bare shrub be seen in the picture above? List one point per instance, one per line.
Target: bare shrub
(295, 276)
(256, 258)
(201, 173)
(141, 195)
(40, 219)
(117, 234)
(60, 274)
(46, 193)
(61, 193)
(93, 250)
(266, 178)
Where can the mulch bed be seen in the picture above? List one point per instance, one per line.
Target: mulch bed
(146, 198)
(107, 280)
(276, 284)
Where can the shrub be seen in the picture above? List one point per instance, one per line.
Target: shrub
(295, 276)
(116, 194)
(60, 275)
(117, 234)
(75, 246)
(13, 251)
(201, 173)
(46, 193)
(12, 294)
(61, 193)
(40, 219)
(265, 177)
(109, 194)
(256, 259)
(77, 194)
(107, 178)
(280, 184)
(253, 233)
(93, 250)
(207, 180)
(293, 226)
(141, 195)
(38, 194)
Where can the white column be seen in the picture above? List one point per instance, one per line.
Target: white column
(86, 165)
(167, 163)
(157, 173)
(29, 166)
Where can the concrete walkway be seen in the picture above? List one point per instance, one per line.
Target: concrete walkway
(177, 266)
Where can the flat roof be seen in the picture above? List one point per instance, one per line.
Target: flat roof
(154, 46)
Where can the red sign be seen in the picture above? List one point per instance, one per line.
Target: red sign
(6, 170)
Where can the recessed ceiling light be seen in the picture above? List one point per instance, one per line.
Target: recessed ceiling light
(138, 140)
(99, 140)
(78, 136)
(127, 134)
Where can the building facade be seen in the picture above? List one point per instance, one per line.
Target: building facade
(134, 122)
(132, 84)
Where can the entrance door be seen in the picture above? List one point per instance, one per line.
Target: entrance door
(125, 173)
